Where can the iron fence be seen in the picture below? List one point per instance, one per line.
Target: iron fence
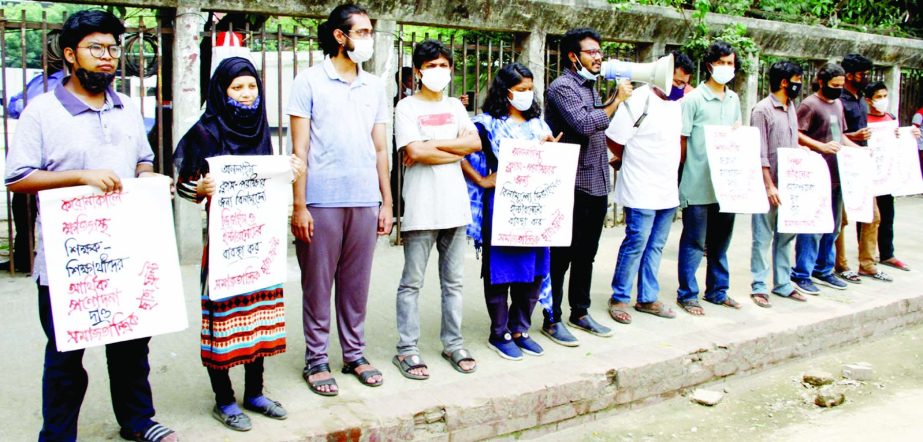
(140, 70)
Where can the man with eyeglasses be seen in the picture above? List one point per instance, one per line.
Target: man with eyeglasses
(84, 133)
(572, 108)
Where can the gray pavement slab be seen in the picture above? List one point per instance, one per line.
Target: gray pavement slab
(565, 385)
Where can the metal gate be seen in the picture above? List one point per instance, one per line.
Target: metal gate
(140, 76)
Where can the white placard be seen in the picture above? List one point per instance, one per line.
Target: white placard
(883, 146)
(247, 235)
(113, 268)
(736, 169)
(908, 179)
(534, 198)
(804, 192)
(856, 171)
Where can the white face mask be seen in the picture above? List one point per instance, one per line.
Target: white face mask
(436, 79)
(722, 74)
(585, 73)
(522, 101)
(881, 104)
(362, 50)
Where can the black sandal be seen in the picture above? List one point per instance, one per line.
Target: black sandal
(459, 356)
(320, 368)
(408, 363)
(350, 368)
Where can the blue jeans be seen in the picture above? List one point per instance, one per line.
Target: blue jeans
(815, 254)
(646, 232)
(704, 226)
(764, 235)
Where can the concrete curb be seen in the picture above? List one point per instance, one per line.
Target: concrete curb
(530, 407)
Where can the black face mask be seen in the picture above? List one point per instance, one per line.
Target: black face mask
(831, 93)
(861, 84)
(94, 82)
(793, 90)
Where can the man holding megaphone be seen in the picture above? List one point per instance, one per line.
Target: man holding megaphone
(571, 107)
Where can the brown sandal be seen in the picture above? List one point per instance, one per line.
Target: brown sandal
(655, 308)
(761, 300)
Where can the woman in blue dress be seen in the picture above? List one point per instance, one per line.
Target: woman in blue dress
(515, 273)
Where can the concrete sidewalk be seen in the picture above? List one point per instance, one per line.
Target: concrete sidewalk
(645, 361)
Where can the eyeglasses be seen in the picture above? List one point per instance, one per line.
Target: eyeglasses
(98, 50)
(364, 33)
(592, 52)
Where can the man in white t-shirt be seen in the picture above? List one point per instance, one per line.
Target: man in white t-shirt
(435, 132)
(645, 134)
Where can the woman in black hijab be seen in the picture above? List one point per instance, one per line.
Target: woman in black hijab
(245, 328)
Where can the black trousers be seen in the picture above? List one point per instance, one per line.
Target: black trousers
(24, 212)
(886, 228)
(64, 382)
(589, 214)
(221, 382)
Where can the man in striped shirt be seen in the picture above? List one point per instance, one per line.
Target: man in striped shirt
(777, 120)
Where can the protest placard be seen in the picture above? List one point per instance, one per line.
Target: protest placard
(113, 269)
(247, 235)
(534, 199)
(884, 150)
(856, 171)
(804, 192)
(908, 180)
(736, 170)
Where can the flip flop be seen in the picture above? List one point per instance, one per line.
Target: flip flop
(663, 311)
(794, 295)
(410, 362)
(457, 357)
(896, 263)
(761, 299)
(850, 276)
(688, 305)
(881, 276)
(618, 315)
(728, 302)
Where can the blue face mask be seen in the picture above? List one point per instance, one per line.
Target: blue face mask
(243, 111)
(676, 93)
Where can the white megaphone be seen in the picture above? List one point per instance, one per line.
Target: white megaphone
(658, 73)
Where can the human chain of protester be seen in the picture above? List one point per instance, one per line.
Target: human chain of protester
(798, 170)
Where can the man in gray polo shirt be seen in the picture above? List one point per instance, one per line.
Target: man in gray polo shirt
(84, 133)
(338, 113)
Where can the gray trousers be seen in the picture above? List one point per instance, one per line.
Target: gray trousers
(450, 243)
(340, 252)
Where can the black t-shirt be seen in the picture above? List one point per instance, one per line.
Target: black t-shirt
(855, 111)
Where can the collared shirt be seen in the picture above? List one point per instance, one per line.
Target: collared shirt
(342, 167)
(703, 108)
(856, 113)
(778, 125)
(569, 109)
(58, 132)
